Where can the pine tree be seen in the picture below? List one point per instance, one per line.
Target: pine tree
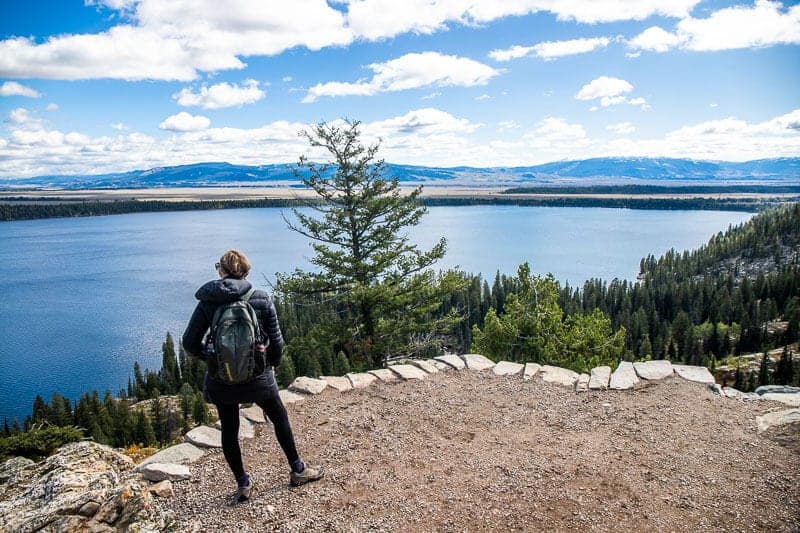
(187, 405)
(143, 432)
(784, 373)
(200, 414)
(141, 391)
(763, 371)
(326, 362)
(363, 255)
(751, 382)
(157, 420)
(285, 372)
(341, 365)
(739, 381)
(169, 373)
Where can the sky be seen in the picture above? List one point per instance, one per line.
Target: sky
(116, 85)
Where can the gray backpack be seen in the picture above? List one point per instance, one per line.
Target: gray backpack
(234, 339)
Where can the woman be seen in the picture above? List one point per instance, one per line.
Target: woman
(262, 389)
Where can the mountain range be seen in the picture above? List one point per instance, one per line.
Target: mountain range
(597, 171)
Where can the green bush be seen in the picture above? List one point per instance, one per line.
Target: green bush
(39, 442)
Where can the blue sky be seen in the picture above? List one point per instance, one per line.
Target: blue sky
(116, 85)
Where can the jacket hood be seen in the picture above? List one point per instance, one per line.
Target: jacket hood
(224, 290)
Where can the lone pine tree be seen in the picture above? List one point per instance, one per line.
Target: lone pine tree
(385, 291)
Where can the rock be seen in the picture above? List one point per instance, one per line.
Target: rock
(289, 396)
(782, 389)
(408, 371)
(14, 467)
(583, 383)
(778, 418)
(179, 454)
(254, 414)
(425, 365)
(205, 437)
(530, 371)
(340, 383)
(507, 368)
(162, 471)
(791, 399)
(658, 369)
(730, 392)
(361, 380)
(163, 489)
(699, 374)
(599, 377)
(441, 366)
(559, 376)
(716, 389)
(624, 377)
(246, 428)
(385, 375)
(477, 361)
(89, 509)
(308, 385)
(83, 486)
(452, 360)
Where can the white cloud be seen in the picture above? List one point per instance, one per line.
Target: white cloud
(483, 96)
(621, 128)
(432, 95)
(713, 104)
(12, 88)
(286, 79)
(550, 50)
(765, 23)
(52, 107)
(604, 86)
(640, 102)
(410, 71)
(221, 95)
(119, 126)
(183, 121)
(425, 136)
(505, 125)
(176, 40)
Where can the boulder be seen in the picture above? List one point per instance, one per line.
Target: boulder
(530, 370)
(659, 369)
(340, 383)
(246, 428)
(730, 392)
(716, 389)
(162, 471)
(289, 396)
(361, 380)
(408, 371)
(384, 374)
(308, 385)
(507, 368)
(599, 377)
(778, 418)
(182, 453)
(782, 389)
(83, 486)
(425, 365)
(790, 399)
(624, 377)
(699, 374)
(477, 361)
(162, 489)
(583, 383)
(452, 360)
(254, 414)
(442, 367)
(205, 437)
(559, 376)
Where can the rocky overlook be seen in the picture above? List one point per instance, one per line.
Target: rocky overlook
(449, 445)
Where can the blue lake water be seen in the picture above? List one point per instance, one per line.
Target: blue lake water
(84, 298)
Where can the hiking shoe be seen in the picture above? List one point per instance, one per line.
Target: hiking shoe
(243, 491)
(308, 475)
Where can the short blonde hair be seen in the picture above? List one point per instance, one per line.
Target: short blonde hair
(235, 264)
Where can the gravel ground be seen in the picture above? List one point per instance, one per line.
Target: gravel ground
(469, 451)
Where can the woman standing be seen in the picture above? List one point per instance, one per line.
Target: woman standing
(260, 386)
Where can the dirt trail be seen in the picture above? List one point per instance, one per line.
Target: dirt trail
(469, 451)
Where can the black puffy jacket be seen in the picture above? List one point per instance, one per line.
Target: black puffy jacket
(225, 290)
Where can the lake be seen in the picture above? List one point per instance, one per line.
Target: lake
(83, 298)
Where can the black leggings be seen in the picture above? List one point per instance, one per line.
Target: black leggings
(274, 411)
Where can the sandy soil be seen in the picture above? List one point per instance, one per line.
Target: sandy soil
(284, 192)
(469, 451)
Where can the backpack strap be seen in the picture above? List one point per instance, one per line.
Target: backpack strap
(246, 296)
